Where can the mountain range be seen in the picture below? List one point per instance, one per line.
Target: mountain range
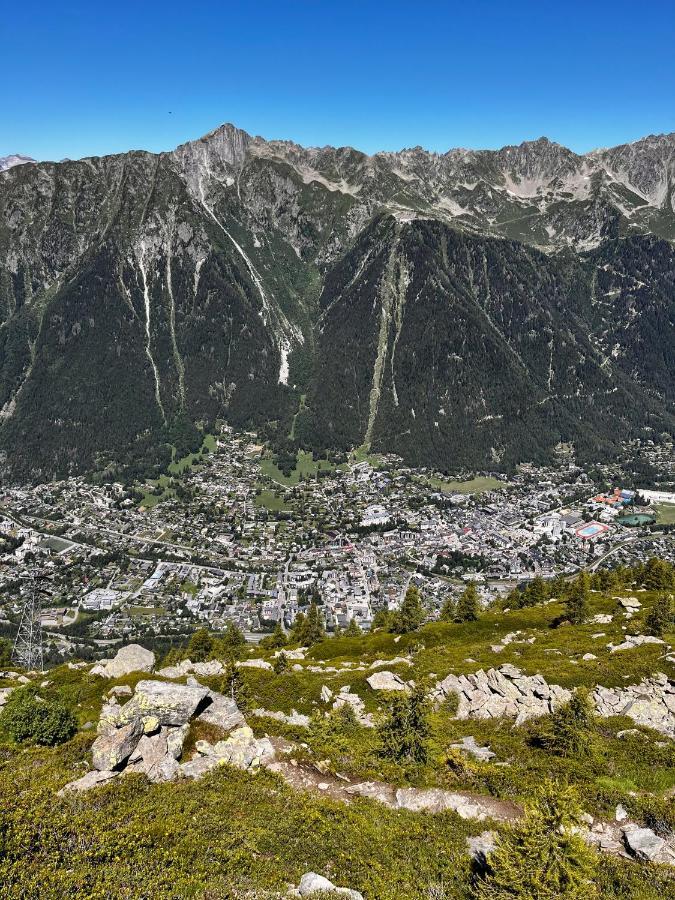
(471, 309)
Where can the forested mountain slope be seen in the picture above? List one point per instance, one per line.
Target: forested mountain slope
(470, 308)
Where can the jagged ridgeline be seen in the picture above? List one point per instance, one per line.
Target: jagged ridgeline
(466, 309)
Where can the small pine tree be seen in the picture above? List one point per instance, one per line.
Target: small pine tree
(536, 591)
(201, 646)
(353, 630)
(281, 664)
(404, 734)
(233, 639)
(234, 686)
(576, 604)
(568, 732)
(411, 614)
(447, 613)
(297, 630)
(660, 617)
(541, 858)
(313, 629)
(657, 575)
(467, 605)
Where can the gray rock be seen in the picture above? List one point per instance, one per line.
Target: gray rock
(481, 846)
(132, 658)
(643, 843)
(386, 681)
(164, 702)
(112, 749)
(311, 883)
(88, 781)
(255, 664)
(4, 695)
(175, 739)
(222, 712)
(197, 767)
(470, 746)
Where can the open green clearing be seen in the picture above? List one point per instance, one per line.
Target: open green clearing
(271, 501)
(665, 513)
(305, 467)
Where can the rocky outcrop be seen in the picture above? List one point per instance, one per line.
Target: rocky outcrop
(650, 703)
(132, 658)
(346, 698)
(470, 746)
(4, 695)
(502, 692)
(292, 718)
(146, 736)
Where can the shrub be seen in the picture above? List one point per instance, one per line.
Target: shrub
(28, 718)
(542, 858)
(405, 732)
(568, 731)
(660, 616)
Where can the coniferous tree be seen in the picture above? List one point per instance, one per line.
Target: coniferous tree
(295, 636)
(313, 629)
(353, 630)
(278, 638)
(411, 614)
(658, 575)
(660, 617)
(467, 605)
(201, 646)
(405, 732)
(447, 613)
(576, 604)
(281, 664)
(542, 858)
(569, 730)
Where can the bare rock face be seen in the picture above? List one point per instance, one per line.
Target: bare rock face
(132, 658)
(502, 692)
(650, 703)
(112, 749)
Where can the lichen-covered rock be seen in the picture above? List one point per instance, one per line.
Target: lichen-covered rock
(241, 749)
(111, 749)
(222, 712)
(165, 702)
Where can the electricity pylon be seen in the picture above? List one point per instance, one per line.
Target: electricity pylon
(27, 649)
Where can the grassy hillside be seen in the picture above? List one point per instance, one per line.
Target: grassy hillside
(237, 834)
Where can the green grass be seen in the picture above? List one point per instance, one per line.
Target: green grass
(272, 501)
(305, 466)
(665, 513)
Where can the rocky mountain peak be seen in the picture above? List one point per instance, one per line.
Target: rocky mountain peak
(15, 159)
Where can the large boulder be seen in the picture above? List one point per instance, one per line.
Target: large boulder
(4, 695)
(132, 658)
(111, 749)
(386, 681)
(164, 703)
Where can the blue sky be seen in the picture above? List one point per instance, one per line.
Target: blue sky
(92, 78)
